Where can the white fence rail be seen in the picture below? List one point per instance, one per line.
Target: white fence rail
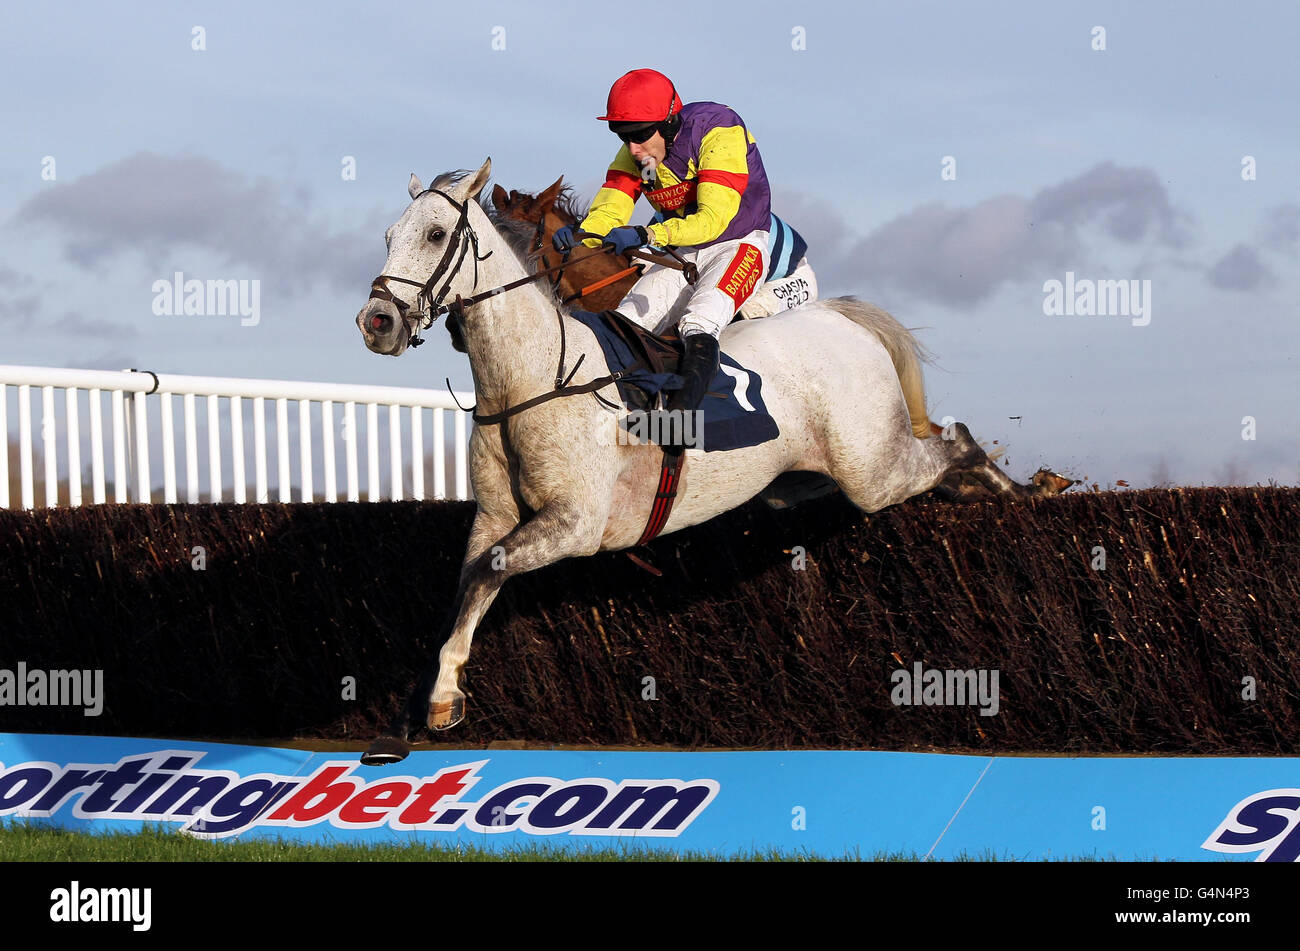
(142, 414)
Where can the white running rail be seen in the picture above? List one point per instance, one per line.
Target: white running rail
(150, 420)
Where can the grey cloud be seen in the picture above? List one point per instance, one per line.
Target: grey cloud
(155, 204)
(1240, 270)
(954, 255)
(820, 224)
(1281, 228)
(24, 307)
(11, 278)
(15, 305)
(1130, 203)
(961, 256)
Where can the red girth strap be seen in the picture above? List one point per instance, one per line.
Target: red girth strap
(669, 475)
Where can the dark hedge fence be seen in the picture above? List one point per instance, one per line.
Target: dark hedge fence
(1151, 653)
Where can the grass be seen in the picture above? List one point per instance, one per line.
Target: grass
(24, 842)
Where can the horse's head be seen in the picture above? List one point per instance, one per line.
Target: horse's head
(521, 206)
(432, 257)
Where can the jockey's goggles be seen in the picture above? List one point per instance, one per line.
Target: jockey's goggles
(637, 135)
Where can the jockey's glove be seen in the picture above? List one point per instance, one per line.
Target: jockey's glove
(626, 238)
(565, 239)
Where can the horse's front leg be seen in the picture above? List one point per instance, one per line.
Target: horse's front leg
(488, 529)
(559, 530)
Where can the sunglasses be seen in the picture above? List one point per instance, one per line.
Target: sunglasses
(638, 137)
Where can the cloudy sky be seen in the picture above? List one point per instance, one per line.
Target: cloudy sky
(1171, 158)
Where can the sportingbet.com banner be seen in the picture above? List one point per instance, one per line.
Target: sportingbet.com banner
(829, 804)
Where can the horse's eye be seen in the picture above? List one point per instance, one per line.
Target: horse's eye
(436, 234)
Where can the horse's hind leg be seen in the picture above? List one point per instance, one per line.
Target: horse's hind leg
(875, 472)
(969, 463)
(902, 466)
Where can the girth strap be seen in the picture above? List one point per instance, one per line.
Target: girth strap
(669, 476)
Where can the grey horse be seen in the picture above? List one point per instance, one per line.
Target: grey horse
(560, 479)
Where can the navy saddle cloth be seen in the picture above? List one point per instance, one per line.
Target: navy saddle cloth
(734, 413)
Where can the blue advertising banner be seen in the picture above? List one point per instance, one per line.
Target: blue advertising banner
(826, 803)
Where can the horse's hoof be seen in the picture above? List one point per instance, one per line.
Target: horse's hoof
(445, 715)
(1051, 483)
(384, 751)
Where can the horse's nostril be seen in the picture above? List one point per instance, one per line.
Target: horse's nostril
(381, 323)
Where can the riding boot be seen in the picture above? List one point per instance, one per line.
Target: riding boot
(698, 368)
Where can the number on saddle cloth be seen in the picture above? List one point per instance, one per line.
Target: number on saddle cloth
(735, 415)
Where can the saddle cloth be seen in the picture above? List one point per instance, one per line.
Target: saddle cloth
(735, 416)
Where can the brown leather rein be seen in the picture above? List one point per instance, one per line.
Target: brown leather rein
(462, 238)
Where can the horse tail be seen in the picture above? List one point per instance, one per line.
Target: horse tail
(904, 350)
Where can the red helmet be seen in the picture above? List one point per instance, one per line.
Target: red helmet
(643, 95)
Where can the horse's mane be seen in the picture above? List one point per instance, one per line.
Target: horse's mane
(570, 205)
(518, 235)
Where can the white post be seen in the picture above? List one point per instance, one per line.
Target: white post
(74, 445)
(395, 449)
(372, 451)
(462, 481)
(119, 446)
(143, 489)
(350, 437)
(191, 451)
(417, 453)
(439, 455)
(306, 493)
(214, 449)
(327, 436)
(50, 446)
(259, 446)
(282, 447)
(25, 446)
(240, 471)
(169, 450)
(96, 408)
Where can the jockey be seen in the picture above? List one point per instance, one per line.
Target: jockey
(700, 169)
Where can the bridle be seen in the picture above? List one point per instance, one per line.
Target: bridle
(428, 305)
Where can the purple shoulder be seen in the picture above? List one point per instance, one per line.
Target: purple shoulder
(699, 117)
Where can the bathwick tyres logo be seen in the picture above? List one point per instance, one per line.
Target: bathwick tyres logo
(167, 787)
(740, 278)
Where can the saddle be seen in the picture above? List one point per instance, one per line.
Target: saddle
(662, 353)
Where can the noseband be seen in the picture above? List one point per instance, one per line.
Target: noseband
(429, 306)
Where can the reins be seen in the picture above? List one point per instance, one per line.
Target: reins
(462, 237)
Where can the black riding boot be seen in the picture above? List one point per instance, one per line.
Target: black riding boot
(698, 368)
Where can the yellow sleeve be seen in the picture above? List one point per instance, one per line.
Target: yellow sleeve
(722, 178)
(612, 207)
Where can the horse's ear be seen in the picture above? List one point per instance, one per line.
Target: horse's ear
(470, 187)
(547, 198)
(499, 198)
(414, 186)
